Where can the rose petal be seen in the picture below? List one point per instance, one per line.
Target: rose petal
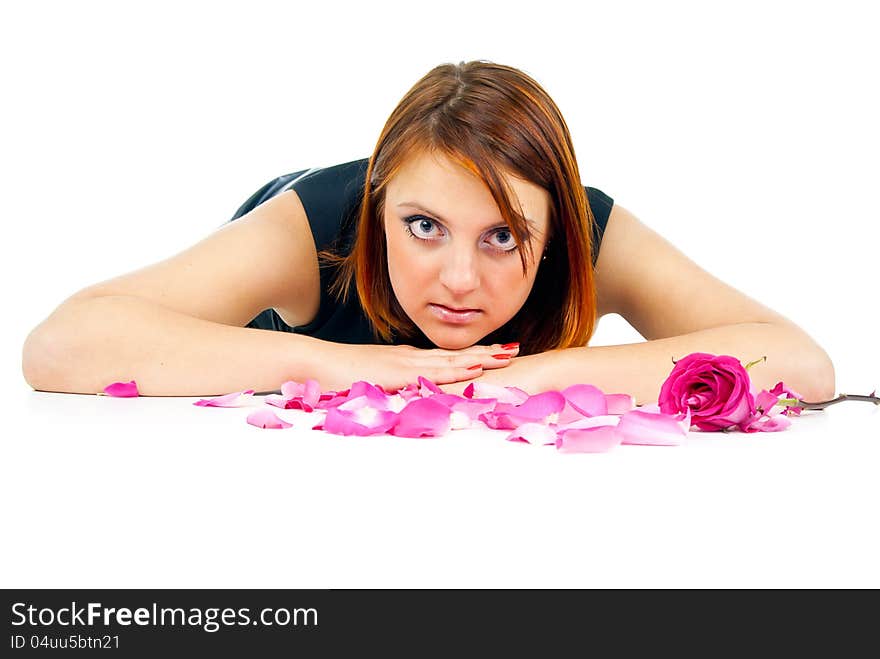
(782, 391)
(122, 389)
(772, 423)
(544, 407)
(583, 400)
(511, 395)
(422, 417)
(650, 426)
(765, 401)
(470, 407)
(235, 399)
(360, 388)
(591, 422)
(296, 396)
(619, 403)
(362, 422)
(597, 439)
(266, 418)
(409, 391)
(533, 433)
(426, 387)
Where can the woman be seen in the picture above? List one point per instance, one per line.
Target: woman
(405, 264)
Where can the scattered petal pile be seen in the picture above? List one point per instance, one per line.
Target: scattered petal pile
(574, 420)
(710, 392)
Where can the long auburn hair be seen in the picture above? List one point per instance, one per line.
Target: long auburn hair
(492, 120)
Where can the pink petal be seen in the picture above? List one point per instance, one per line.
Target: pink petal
(359, 388)
(501, 421)
(782, 391)
(298, 396)
(473, 407)
(122, 389)
(790, 410)
(310, 391)
(277, 401)
(772, 423)
(544, 407)
(361, 422)
(511, 395)
(650, 426)
(785, 392)
(236, 399)
(295, 403)
(333, 401)
(533, 433)
(619, 403)
(371, 391)
(588, 440)
(590, 422)
(266, 418)
(422, 416)
(426, 387)
(448, 399)
(765, 401)
(586, 399)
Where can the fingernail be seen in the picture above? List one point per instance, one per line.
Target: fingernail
(510, 346)
(474, 367)
(501, 356)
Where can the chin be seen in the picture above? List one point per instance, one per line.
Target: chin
(455, 339)
(452, 340)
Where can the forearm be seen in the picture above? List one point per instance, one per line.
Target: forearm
(639, 369)
(87, 344)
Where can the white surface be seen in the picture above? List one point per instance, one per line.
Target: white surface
(157, 492)
(746, 134)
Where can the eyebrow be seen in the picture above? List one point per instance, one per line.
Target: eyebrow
(421, 207)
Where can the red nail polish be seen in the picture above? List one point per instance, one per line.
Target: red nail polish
(501, 356)
(474, 367)
(510, 346)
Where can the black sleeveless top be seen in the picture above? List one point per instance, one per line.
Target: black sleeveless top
(331, 198)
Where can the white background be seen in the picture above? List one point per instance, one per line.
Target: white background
(746, 134)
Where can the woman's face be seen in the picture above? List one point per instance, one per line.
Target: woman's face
(460, 254)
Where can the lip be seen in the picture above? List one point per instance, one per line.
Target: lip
(452, 316)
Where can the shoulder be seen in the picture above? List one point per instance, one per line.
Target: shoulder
(600, 207)
(659, 290)
(624, 240)
(330, 196)
(600, 204)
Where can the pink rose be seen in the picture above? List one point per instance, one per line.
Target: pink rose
(716, 389)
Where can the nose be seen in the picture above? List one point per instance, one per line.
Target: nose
(459, 272)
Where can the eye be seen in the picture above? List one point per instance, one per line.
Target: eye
(421, 228)
(505, 240)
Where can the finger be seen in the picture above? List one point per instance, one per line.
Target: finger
(500, 357)
(487, 360)
(497, 361)
(493, 349)
(457, 374)
(505, 350)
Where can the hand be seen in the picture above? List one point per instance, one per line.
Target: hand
(521, 372)
(394, 366)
